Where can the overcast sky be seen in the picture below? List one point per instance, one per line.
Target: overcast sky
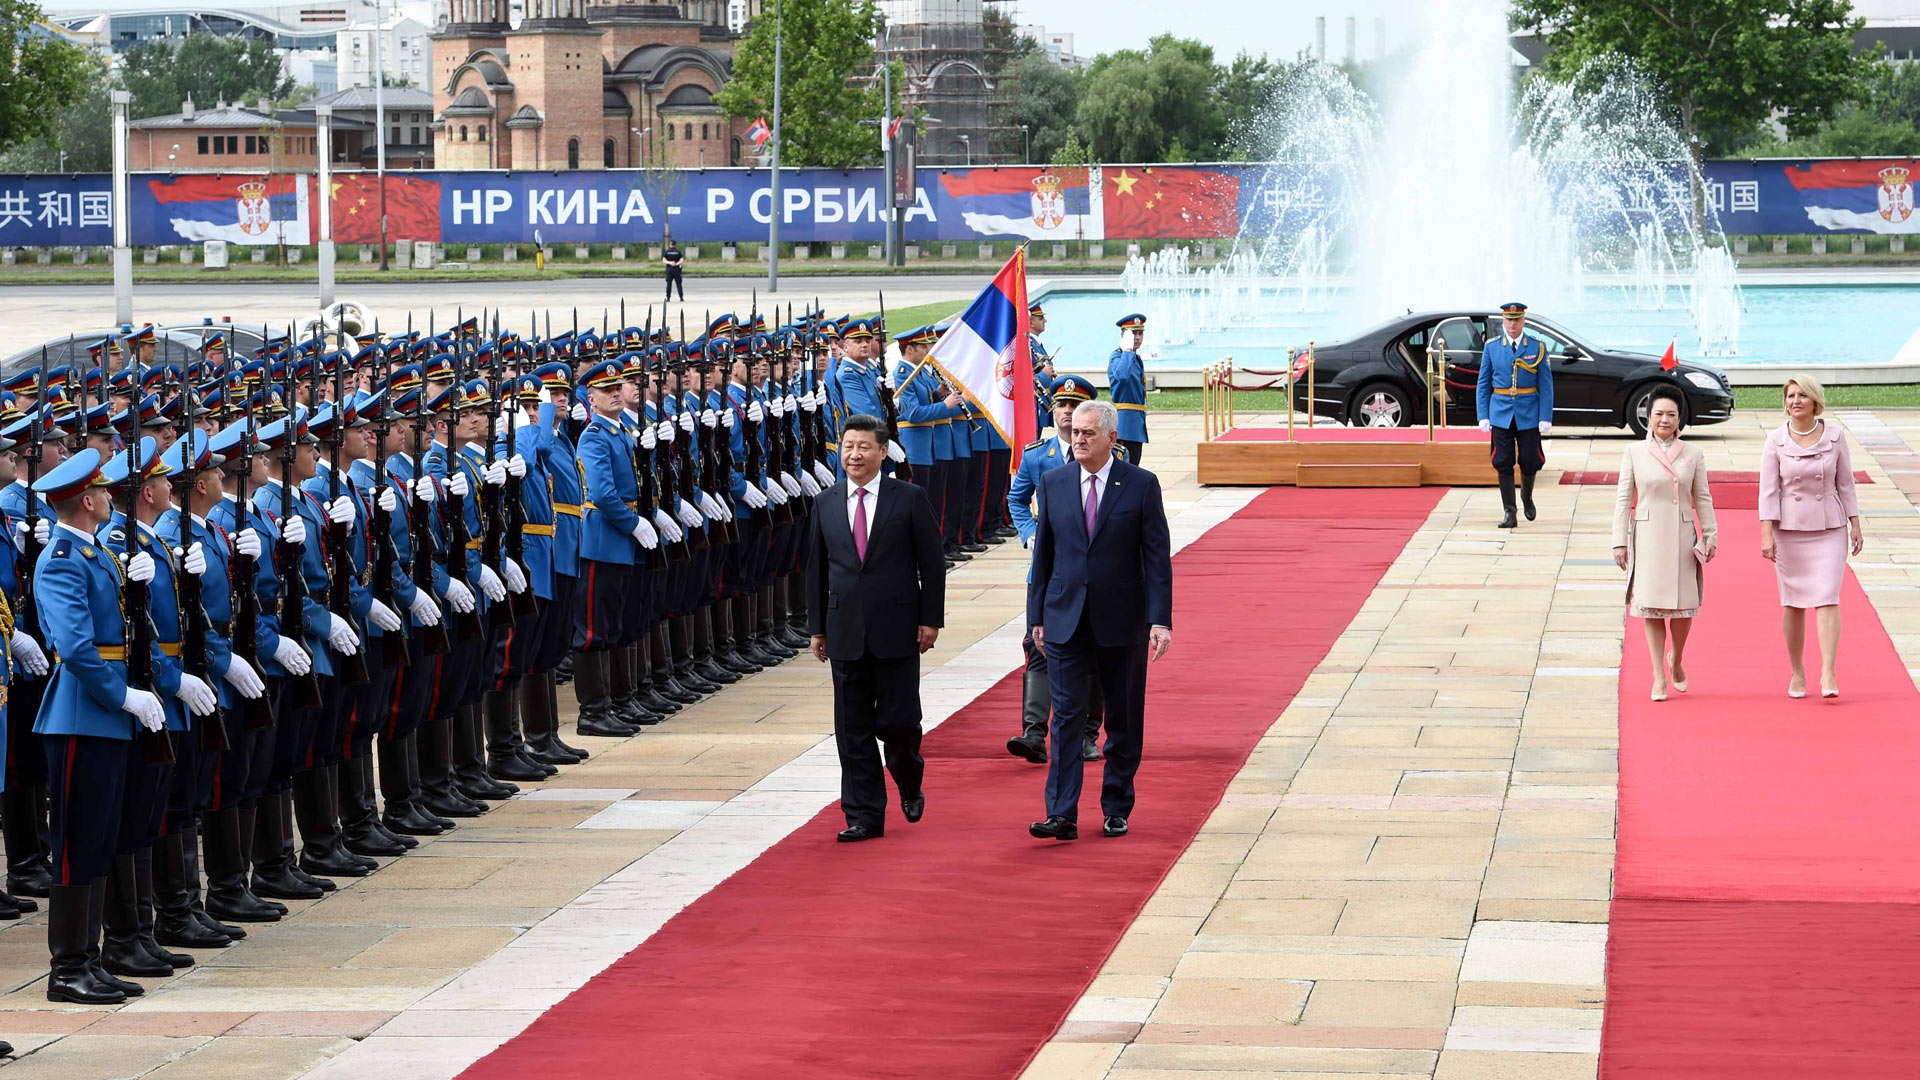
(1279, 28)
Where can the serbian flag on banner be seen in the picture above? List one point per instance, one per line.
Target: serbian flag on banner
(985, 356)
(1873, 196)
(237, 208)
(759, 132)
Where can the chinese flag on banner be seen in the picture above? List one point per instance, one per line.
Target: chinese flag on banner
(1669, 359)
(413, 208)
(1150, 202)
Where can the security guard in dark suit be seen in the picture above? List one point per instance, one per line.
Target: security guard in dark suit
(1515, 404)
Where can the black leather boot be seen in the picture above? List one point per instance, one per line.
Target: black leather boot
(173, 920)
(96, 926)
(228, 897)
(145, 903)
(543, 740)
(659, 654)
(1526, 495)
(704, 659)
(591, 674)
(744, 626)
(249, 822)
(70, 977)
(470, 759)
(785, 599)
(369, 785)
(552, 684)
(28, 871)
(433, 776)
(190, 847)
(506, 758)
(726, 651)
(402, 813)
(273, 874)
(1506, 500)
(645, 694)
(359, 813)
(620, 682)
(679, 632)
(321, 848)
(1036, 706)
(120, 951)
(768, 639)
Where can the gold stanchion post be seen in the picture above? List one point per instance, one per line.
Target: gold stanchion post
(1230, 393)
(1433, 389)
(1311, 421)
(1289, 393)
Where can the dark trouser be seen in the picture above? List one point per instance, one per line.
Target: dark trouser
(555, 636)
(1514, 444)
(1134, 450)
(676, 276)
(973, 497)
(87, 778)
(186, 794)
(953, 501)
(1073, 666)
(514, 648)
(600, 605)
(998, 480)
(26, 762)
(1036, 705)
(932, 479)
(875, 698)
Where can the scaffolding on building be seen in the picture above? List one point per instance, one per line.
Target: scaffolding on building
(958, 57)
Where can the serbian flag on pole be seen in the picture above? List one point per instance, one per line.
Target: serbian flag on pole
(1669, 359)
(985, 355)
(759, 132)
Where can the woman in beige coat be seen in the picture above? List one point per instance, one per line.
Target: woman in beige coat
(1663, 536)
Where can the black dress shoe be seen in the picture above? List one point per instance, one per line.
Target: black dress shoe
(189, 933)
(853, 834)
(126, 957)
(372, 842)
(958, 555)
(1114, 826)
(174, 960)
(283, 885)
(35, 879)
(128, 989)
(23, 904)
(8, 910)
(82, 987)
(243, 906)
(406, 842)
(513, 767)
(1054, 828)
(605, 727)
(316, 864)
(452, 808)
(1036, 752)
(324, 884)
(914, 807)
(993, 539)
(413, 822)
(1090, 750)
(1510, 521)
(973, 548)
(233, 933)
(714, 673)
(651, 700)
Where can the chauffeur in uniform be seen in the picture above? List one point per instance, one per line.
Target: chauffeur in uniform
(1127, 385)
(1515, 402)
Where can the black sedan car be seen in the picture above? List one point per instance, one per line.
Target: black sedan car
(1377, 378)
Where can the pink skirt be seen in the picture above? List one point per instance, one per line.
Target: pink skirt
(1810, 564)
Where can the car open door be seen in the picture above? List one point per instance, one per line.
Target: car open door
(1461, 338)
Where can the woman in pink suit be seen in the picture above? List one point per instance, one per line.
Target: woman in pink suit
(1809, 520)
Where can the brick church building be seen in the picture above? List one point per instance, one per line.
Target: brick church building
(586, 84)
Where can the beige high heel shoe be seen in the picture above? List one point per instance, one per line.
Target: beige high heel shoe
(1679, 681)
(1800, 693)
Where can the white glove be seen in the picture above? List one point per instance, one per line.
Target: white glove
(457, 483)
(383, 617)
(686, 421)
(140, 567)
(709, 505)
(644, 533)
(709, 419)
(809, 402)
(491, 584)
(459, 596)
(648, 440)
(195, 561)
(145, 708)
(340, 635)
(288, 654)
(43, 530)
(1486, 425)
(249, 542)
(294, 531)
(755, 412)
(241, 676)
(28, 655)
(1546, 426)
(517, 466)
(197, 695)
(1126, 341)
(689, 516)
(516, 577)
(808, 484)
(726, 511)
(669, 531)
(792, 403)
(777, 406)
(389, 500)
(578, 412)
(894, 453)
(663, 431)
(793, 486)
(423, 489)
(774, 492)
(496, 474)
(753, 497)
(726, 419)
(341, 511)
(425, 611)
(823, 474)
(662, 522)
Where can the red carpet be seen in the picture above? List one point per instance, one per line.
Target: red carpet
(1302, 433)
(1766, 919)
(955, 947)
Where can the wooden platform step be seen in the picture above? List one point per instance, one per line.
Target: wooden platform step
(1371, 474)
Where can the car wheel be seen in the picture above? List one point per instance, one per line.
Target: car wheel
(1380, 405)
(1639, 401)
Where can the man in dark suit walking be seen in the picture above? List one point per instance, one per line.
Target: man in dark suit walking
(876, 599)
(1100, 601)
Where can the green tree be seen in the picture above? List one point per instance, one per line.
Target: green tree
(1885, 123)
(1134, 106)
(1049, 95)
(40, 73)
(1071, 152)
(82, 130)
(1728, 64)
(826, 44)
(1246, 87)
(209, 69)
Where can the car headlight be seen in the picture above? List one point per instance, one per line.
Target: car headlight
(1703, 380)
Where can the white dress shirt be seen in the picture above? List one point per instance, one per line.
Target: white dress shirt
(872, 488)
(1099, 485)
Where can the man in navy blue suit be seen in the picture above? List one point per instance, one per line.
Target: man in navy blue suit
(1100, 601)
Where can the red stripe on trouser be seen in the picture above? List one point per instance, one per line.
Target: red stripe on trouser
(506, 661)
(986, 486)
(346, 735)
(592, 569)
(393, 711)
(66, 793)
(433, 700)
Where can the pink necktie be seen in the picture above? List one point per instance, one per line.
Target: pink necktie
(1093, 502)
(860, 523)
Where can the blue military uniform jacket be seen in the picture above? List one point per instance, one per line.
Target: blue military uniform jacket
(359, 542)
(922, 416)
(79, 582)
(1127, 385)
(858, 391)
(400, 468)
(163, 610)
(180, 530)
(1039, 457)
(438, 463)
(738, 398)
(1516, 383)
(314, 618)
(266, 584)
(565, 489)
(612, 489)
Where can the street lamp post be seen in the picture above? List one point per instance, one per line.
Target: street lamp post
(120, 101)
(773, 217)
(642, 133)
(1026, 137)
(967, 141)
(380, 130)
(323, 120)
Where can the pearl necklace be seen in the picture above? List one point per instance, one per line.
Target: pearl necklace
(1803, 434)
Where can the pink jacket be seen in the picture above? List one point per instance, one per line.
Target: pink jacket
(1807, 488)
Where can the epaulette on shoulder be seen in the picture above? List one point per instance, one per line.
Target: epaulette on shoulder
(1035, 445)
(62, 547)
(117, 536)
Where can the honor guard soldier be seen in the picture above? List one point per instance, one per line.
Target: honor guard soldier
(32, 517)
(1515, 403)
(1127, 385)
(1040, 457)
(612, 534)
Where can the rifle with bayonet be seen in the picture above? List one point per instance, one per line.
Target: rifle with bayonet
(288, 556)
(682, 456)
(516, 542)
(386, 551)
(196, 627)
(28, 615)
(139, 634)
(245, 568)
(466, 623)
(426, 545)
(341, 577)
